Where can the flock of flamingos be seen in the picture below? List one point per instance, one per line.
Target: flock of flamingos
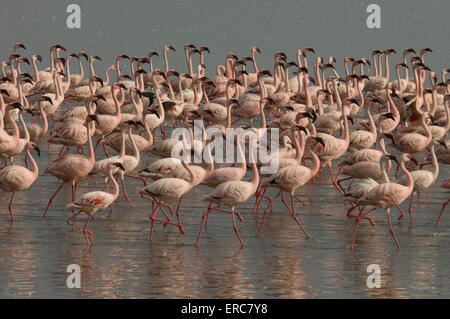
(402, 125)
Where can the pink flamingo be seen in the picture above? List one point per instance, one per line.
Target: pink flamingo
(413, 142)
(92, 202)
(17, 178)
(35, 130)
(9, 142)
(387, 195)
(168, 189)
(423, 179)
(230, 194)
(107, 123)
(335, 147)
(290, 178)
(72, 167)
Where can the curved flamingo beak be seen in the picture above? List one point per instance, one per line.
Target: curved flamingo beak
(38, 150)
(319, 140)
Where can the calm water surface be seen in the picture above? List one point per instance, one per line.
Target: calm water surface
(122, 263)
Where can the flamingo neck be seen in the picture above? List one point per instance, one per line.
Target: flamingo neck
(115, 192)
(409, 178)
(317, 75)
(136, 152)
(166, 63)
(34, 166)
(435, 163)
(316, 161)
(25, 128)
(263, 116)
(196, 95)
(35, 70)
(307, 95)
(149, 134)
(241, 156)
(406, 75)
(15, 128)
(299, 146)
(286, 80)
(205, 96)
(52, 61)
(255, 67)
(80, 65)
(380, 68)
(427, 131)
(122, 147)
(375, 68)
(116, 103)
(400, 85)
(91, 157)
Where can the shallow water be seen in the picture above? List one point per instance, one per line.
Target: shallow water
(122, 263)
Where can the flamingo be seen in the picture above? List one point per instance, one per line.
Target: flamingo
(289, 178)
(335, 147)
(230, 194)
(35, 130)
(363, 139)
(360, 189)
(92, 202)
(413, 142)
(17, 178)
(76, 79)
(107, 123)
(423, 179)
(387, 195)
(21, 143)
(168, 189)
(9, 142)
(71, 168)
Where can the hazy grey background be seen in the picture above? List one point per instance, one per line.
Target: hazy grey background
(134, 27)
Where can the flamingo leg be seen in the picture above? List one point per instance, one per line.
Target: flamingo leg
(96, 144)
(137, 177)
(83, 179)
(235, 227)
(51, 200)
(296, 219)
(311, 185)
(343, 180)
(299, 200)
(354, 231)
(152, 216)
(388, 213)
(333, 181)
(88, 234)
(402, 214)
(10, 207)
(201, 227)
(442, 211)
(61, 151)
(125, 193)
(209, 211)
(350, 210)
(105, 150)
(69, 221)
(262, 222)
(167, 216)
(410, 209)
(179, 217)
